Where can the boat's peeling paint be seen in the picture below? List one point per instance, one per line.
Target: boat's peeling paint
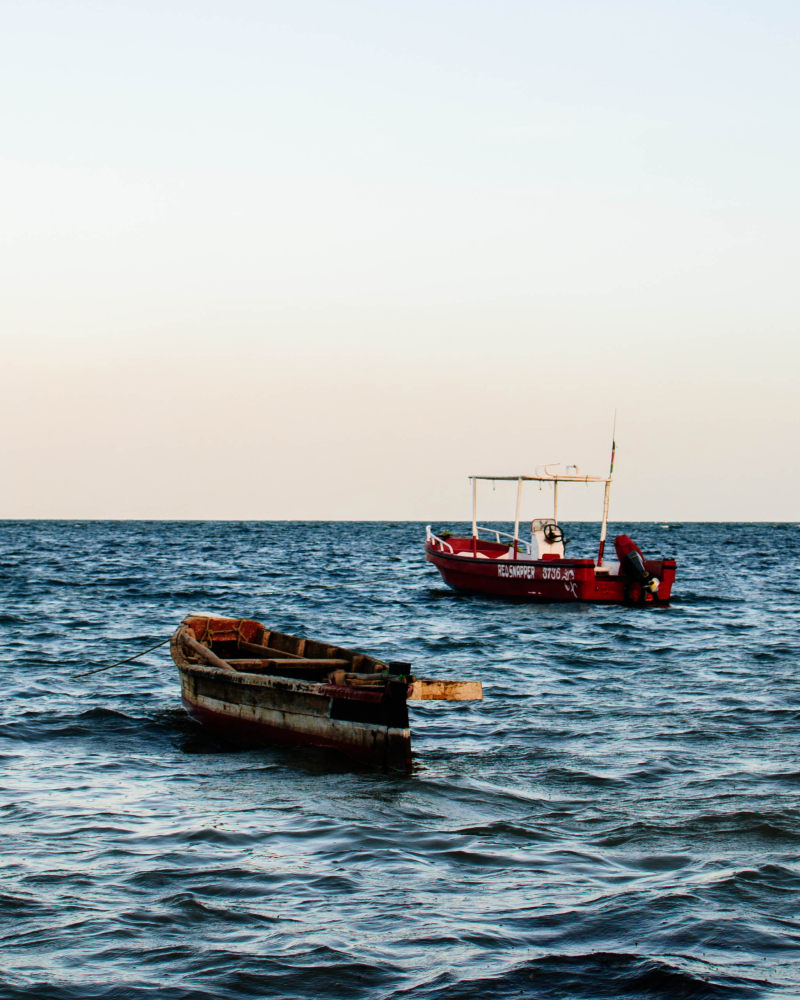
(248, 722)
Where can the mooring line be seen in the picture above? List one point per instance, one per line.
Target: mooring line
(119, 663)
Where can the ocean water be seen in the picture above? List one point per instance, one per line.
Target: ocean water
(620, 817)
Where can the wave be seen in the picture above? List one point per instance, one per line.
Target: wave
(593, 976)
(617, 817)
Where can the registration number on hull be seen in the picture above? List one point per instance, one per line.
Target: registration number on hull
(520, 571)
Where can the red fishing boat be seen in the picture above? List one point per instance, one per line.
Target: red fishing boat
(504, 564)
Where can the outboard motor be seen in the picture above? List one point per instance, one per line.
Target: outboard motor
(631, 562)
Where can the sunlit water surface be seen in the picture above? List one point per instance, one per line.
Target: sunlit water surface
(618, 818)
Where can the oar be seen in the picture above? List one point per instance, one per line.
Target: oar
(204, 651)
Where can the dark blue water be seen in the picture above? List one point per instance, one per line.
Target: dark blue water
(620, 817)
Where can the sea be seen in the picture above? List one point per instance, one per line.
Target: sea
(618, 818)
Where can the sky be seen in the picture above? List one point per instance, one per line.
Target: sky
(324, 260)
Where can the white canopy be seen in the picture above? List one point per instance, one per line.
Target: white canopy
(557, 478)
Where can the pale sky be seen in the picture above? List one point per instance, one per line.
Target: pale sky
(326, 259)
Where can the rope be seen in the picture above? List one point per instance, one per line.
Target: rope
(207, 638)
(119, 663)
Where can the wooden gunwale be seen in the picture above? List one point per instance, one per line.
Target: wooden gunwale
(351, 692)
(250, 680)
(275, 660)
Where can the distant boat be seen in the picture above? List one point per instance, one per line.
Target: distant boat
(503, 564)
(254, 686)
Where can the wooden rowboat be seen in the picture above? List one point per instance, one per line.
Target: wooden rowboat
(255, 686)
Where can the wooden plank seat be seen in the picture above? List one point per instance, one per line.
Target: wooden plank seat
(259, 651)
(295, 665)
(312, 651)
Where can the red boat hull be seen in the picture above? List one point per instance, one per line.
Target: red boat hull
(488, 570)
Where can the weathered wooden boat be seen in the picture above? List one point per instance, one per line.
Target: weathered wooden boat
(502, 564)
(254, 686)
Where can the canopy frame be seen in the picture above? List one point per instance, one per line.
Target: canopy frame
(546, 477)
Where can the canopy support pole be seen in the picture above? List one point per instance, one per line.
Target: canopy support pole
(604, 525)
(607, 494)
(555, 501)
(516, 518)
(474, 516)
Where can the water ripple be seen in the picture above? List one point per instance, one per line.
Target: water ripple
(618, 818)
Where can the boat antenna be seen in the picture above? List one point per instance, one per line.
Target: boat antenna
(607, 492)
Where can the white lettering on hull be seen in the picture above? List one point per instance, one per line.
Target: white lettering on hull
(521, 571)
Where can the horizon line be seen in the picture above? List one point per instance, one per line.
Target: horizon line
(361, 520)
